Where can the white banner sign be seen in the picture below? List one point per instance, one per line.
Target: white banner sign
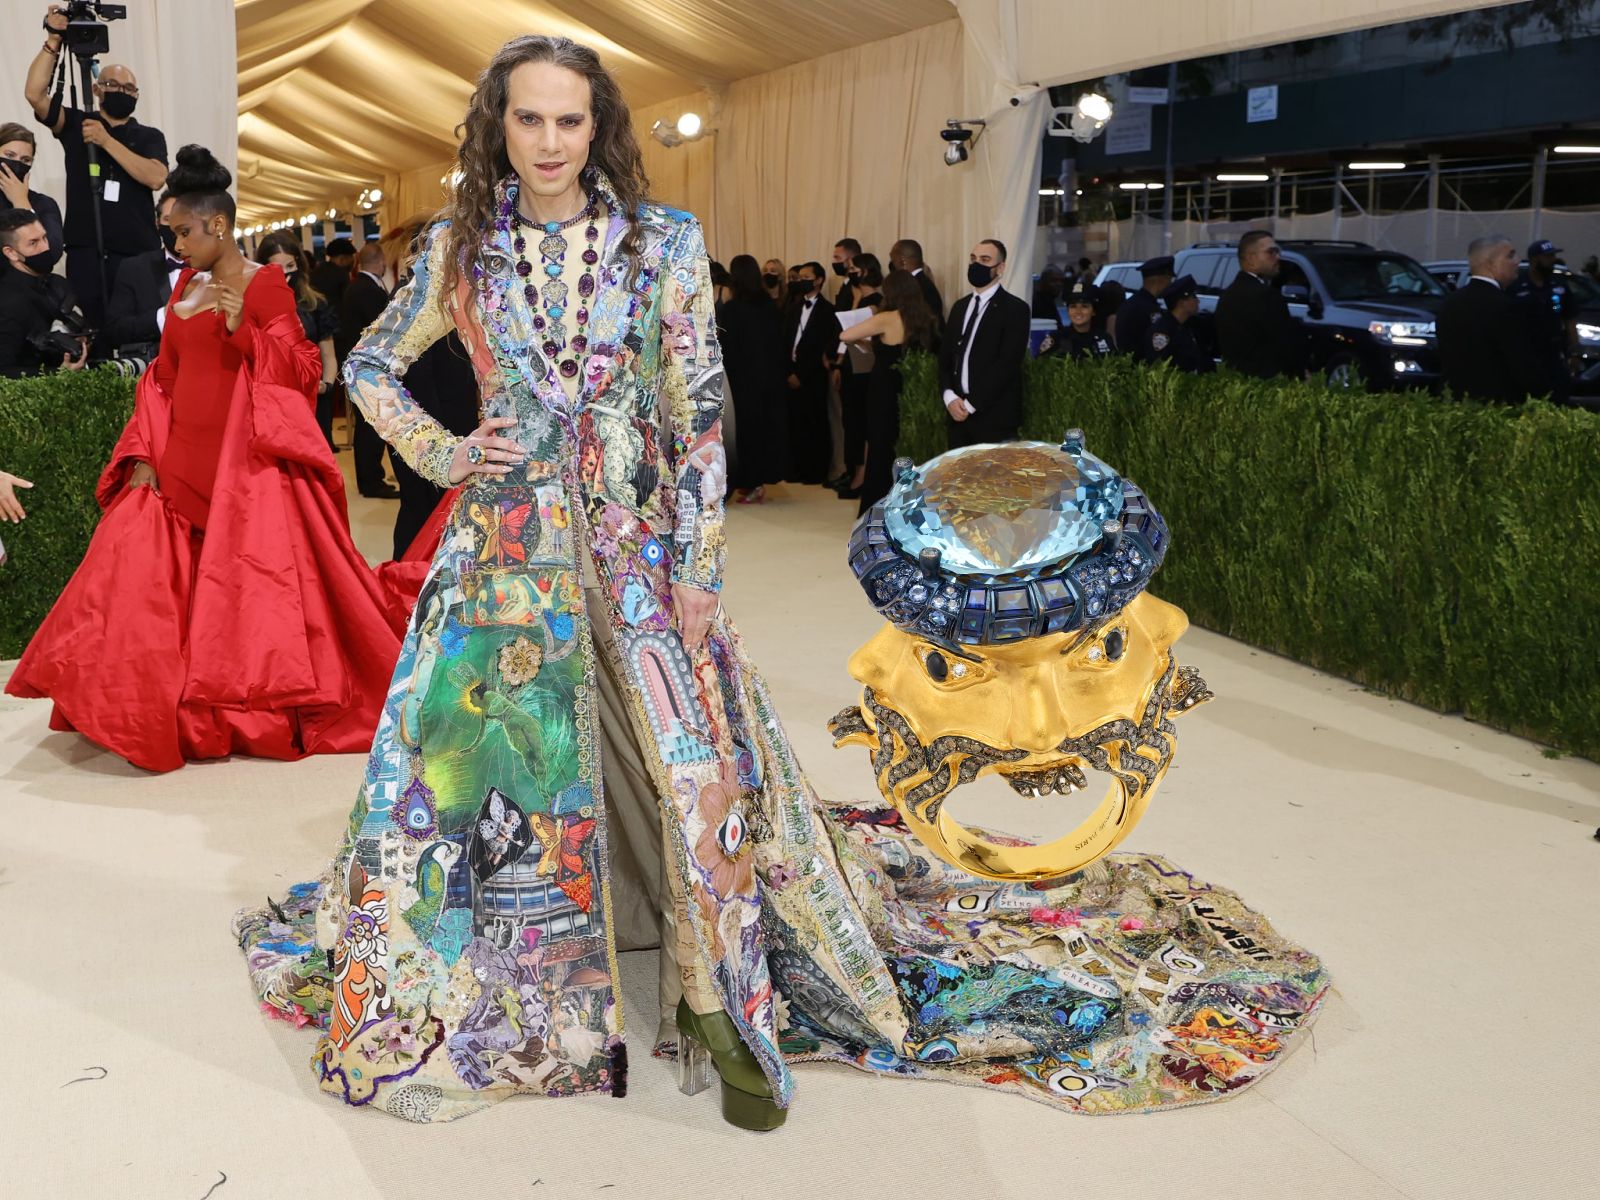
(1129, 131)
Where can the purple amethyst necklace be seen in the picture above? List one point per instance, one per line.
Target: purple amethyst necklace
(549, 299)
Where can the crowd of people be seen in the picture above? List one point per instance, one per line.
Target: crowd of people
(814, 380)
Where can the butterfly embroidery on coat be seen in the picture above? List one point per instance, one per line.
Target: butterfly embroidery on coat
(504, 524)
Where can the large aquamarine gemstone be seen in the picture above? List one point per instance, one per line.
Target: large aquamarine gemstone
(1006, 509)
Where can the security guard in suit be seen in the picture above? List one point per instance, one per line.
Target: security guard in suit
(1080, 339)
(1170, 339)
(1133, 319)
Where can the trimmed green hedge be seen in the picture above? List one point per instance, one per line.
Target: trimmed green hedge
(57, 431)
(1444, 552)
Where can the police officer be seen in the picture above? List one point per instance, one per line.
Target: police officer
(1169, 338)
(1081, 339)
(1133, 319)
(1550, 309)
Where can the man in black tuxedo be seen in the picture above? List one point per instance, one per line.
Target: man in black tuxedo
(364, 302)
(980, 358)
(906, 255)
(137, 311)
(1255, 331)
(1484, 347)
(811, 332)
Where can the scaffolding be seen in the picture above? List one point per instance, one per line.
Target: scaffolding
(1429, 211)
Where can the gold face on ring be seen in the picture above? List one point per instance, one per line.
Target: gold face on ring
(1046, 712)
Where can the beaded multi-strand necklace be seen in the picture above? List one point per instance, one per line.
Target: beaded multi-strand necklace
(549, 298)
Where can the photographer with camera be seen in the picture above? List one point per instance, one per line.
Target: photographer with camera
(132, 161)
(17, 147)
(39, 323)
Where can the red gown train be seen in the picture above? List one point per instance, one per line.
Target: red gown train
(231, 613)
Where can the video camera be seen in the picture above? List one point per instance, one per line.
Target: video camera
(87, 35)
(67, 327)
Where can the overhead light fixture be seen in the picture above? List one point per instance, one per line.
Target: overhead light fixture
(1577, 149)
(1377, 166)
(1141, 187)
(1052, 192)
(1094, 107)
(1084, 120)
(960, 136)
(1241, 178)
(376, 195)
(689, 126)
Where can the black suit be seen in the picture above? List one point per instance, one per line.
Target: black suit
(1255, 331)
(994, 367)
(331, 280)
(930, 293)
(810, 438)
(364, 302)
(142, 289)
(1484, 347)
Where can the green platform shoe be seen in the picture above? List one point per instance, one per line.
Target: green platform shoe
(711, 1040)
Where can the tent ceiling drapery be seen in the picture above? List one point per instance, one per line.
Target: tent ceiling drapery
(336, 95)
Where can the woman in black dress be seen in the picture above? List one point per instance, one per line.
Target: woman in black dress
(903, 321)
(317, 317)
(756, 362)
(855, 370)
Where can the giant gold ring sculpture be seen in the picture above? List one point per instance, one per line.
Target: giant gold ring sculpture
(1020, 640)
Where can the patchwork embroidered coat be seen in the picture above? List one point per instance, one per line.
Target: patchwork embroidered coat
(467, 916)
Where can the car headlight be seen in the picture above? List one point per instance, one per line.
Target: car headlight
(1589, 335)
(1402, 333)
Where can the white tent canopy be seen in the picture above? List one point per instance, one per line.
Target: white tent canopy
(823, 115)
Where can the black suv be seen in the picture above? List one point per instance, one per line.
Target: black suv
(1369, 313)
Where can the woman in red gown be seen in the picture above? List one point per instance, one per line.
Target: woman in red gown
(221, 607)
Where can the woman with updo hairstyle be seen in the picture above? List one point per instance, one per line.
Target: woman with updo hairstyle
(221, 607)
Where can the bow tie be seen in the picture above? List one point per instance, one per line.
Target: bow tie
(175, 264)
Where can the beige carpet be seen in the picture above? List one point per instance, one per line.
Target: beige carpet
(1446, 873)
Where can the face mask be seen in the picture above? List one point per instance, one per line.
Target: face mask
(799, 287)
(19, 169)
(979, 275)
(289, 270)
(839, 269)
(770, 281)
(118, 105)
(169, 239)
(43, 262)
